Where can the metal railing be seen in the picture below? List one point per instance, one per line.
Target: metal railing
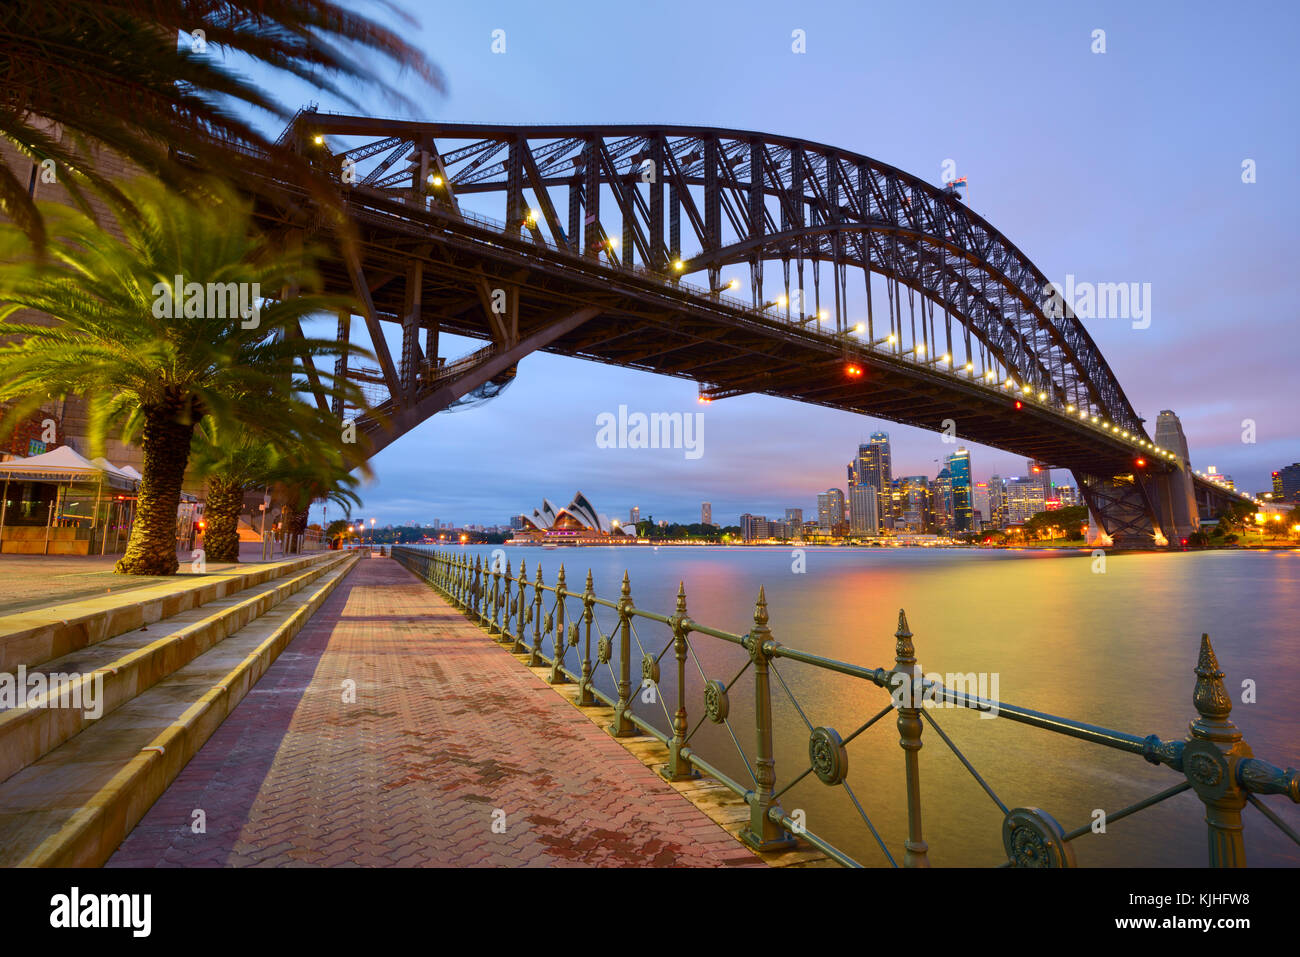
(1214, 761)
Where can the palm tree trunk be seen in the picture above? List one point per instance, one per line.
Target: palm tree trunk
(165, 443)
(224, 503)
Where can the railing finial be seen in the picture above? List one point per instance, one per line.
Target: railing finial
(1210, 697)
(626, 590)
(681, 598)
(904, 652)
(760, 608)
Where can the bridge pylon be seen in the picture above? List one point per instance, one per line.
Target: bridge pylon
(1138, 508)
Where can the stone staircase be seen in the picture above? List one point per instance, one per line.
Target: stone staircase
(121, 691)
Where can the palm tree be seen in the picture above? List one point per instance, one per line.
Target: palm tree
(137, 333)
(82, 76)
(236, 464)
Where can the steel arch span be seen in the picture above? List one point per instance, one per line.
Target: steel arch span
(570, 239)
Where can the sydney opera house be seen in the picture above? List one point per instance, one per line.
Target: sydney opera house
(578, 523)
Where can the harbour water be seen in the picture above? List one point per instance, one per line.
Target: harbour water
(1112, 646)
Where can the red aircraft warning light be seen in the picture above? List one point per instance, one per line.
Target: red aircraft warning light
(1019, 404)
(1141, 463)
(854, 371)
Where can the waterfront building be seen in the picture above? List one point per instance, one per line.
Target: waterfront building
(912, 504)
(753, 527)
(864, 514)
(830, 510)
(963, 506)
(1218, 478)
(636, 515)
(779, 528)
(879, 475)
(980, 505)
(1024, 499)
(1169, 434)
(1286, 483)
(941, 516)
(794, 516)
(578, 523)
(706, 513)
(1038, 470)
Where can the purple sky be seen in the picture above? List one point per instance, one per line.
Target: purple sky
(1124, 166)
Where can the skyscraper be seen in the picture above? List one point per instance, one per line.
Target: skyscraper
(864, 515)
(794, 516)
(962, 503)
(830, 510)
(941, 501)
(880, 476)
(913, 497)
(980, 504)
(636, 514)
(706, 513)
(1035, 469)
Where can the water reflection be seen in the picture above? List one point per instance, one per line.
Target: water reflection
(1115, 648)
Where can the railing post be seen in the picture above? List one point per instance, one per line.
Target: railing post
(585, 698)
(503, 606)
(476, 599)
(1210, 759)
(623, 726)
(557, 667)
(916, 851)
(762, 833)
(535, 659)
(679, 768)
(519, 646)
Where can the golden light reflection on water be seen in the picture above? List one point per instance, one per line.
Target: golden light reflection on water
(1114, 648)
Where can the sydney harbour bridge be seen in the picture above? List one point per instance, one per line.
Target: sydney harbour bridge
(747, 262)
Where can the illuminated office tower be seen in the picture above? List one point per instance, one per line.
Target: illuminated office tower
(962, 504)
(864, 513)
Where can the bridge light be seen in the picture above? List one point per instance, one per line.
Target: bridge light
(318, 140)
(854, 371)
(920, 349)
(946, 358)
(1141, 463)
(860, 327)
(1021, 405)
(1027, 389)
(1042, 397)
(1094, 418)
(614, 242)
(970, 367)
(823, 316)
(435, 179)
(1069, 408)
(734, 284)
(679, 265)
(781, 300)
(892, 339)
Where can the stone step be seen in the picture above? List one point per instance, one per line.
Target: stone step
(110, 673)
(34, 636)
(74, 806)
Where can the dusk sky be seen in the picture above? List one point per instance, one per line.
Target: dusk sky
(1123, 166)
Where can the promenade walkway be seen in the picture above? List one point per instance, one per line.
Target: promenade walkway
(447, 736)
(37, 581)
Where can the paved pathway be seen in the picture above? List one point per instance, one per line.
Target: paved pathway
(448, 732)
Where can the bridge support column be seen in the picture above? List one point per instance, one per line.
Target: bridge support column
(1125, 508)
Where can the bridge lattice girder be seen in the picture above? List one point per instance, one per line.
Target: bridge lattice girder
(748, 199)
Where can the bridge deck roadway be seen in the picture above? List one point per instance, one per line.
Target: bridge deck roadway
(446, 729)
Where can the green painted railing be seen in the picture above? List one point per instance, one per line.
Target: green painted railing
(534, 618)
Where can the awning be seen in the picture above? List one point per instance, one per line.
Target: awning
(64, 464)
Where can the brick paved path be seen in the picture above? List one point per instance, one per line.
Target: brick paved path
(446, 730)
